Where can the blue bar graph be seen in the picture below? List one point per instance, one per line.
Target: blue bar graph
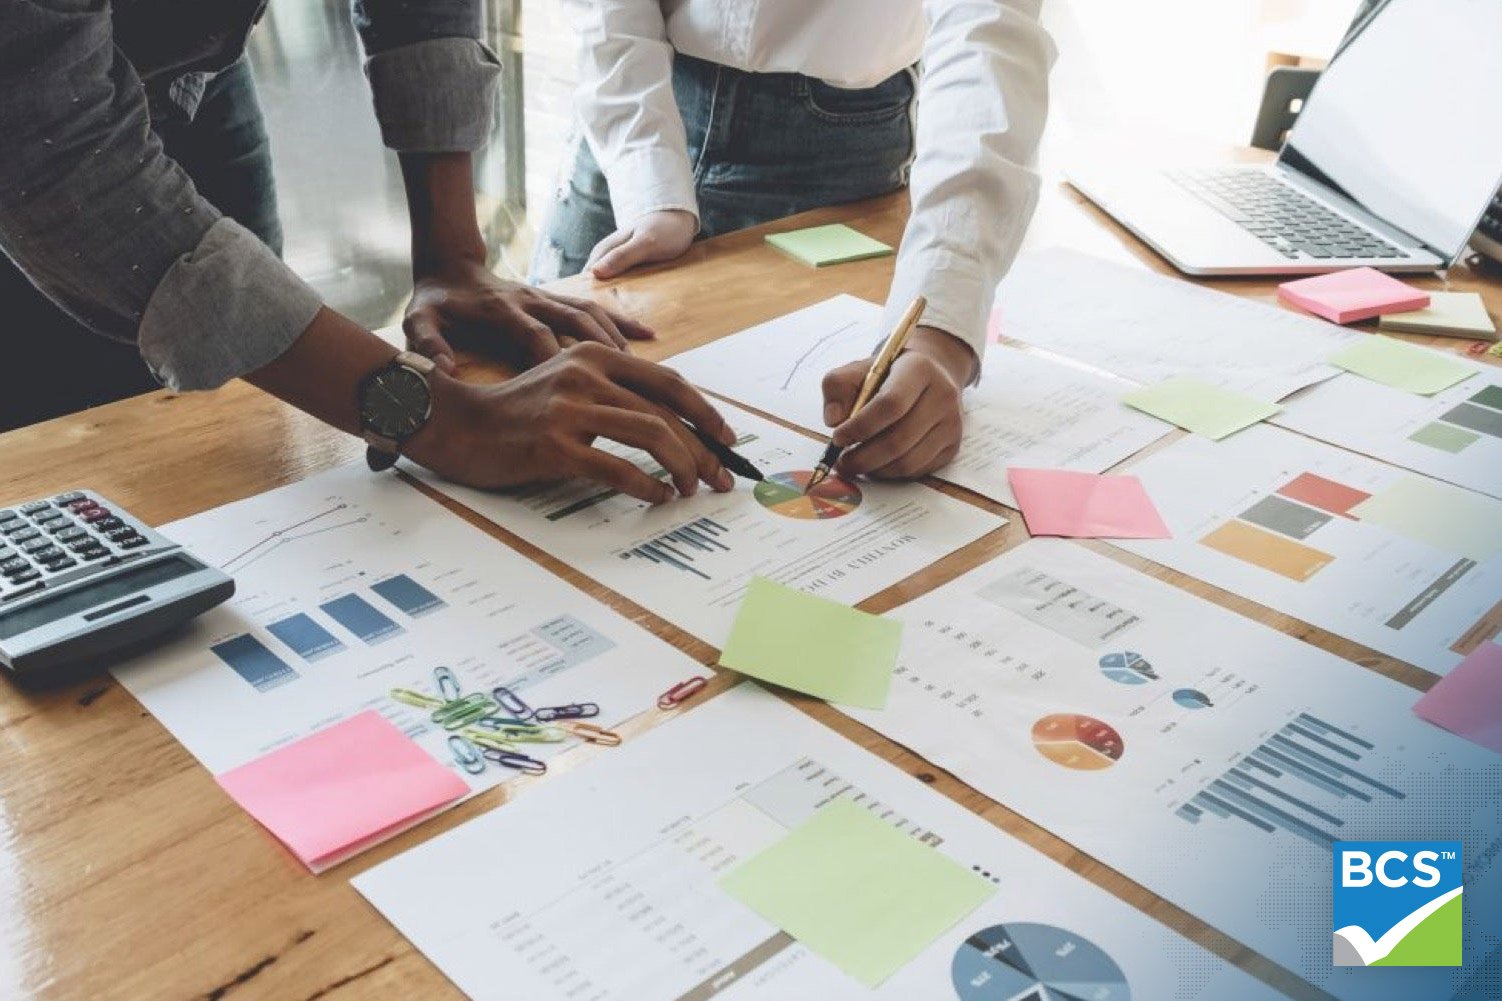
(361, 618)
(252, 661)
(408, 595)
(1278, 785)
(677, 548)
(308, 638)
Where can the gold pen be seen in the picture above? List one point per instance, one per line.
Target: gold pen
(875, 376)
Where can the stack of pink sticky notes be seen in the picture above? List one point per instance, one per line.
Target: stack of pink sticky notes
(1085, 505)
(1348, 296)
(330, 796)
(1468, 700)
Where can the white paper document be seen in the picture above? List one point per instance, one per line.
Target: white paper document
(602, 885)
(1027, 410)
(689, 560)
(1209, 758)
(1407, 565)
(350, 585)
(1454, 435)
(1147, 327)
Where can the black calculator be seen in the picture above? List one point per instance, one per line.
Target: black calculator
(83, 582)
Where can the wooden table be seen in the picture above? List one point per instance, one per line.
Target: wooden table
(125, 871)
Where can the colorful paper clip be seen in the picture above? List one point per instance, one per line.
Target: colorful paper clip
(420, 700)
(514, 759)
(500, 722)
(486, 738)
(464, 752)
(510, 701)
(449, 688)
(532, 733)
(460, 713)
(574, 710)
(594, 734)
(681, 692)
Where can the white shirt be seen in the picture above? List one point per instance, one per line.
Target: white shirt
(983, 98)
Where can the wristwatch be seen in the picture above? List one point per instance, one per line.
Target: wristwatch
(395, 402)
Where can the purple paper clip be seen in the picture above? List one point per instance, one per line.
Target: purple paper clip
(574, 710)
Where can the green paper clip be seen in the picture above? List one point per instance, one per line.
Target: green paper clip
(487, 738)
(534, 734)
(420, 700)
(462, 712)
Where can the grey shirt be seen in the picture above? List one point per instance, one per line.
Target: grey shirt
(111, 228)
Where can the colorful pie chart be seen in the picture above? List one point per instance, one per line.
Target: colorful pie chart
(1034, 962)
(1127, 668)
(1082, 743)
(782, 493)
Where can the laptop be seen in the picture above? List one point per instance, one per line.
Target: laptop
(1391, 163)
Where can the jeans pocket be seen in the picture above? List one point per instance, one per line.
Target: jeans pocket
(887, 100)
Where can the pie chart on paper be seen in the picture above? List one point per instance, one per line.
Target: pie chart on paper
(1082, 743)
(1035, 962)
(1127, 668)
(782, 493)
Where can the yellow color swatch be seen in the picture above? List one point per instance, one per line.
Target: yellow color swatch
(1266, 550)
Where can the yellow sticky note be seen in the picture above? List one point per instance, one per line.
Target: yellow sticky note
(819, 246)
(855, 890)
(1449, 314)
(813, 645)
(1449, 518)
(1401, 365)
(1200, 407)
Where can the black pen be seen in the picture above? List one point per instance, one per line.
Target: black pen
(729, 458)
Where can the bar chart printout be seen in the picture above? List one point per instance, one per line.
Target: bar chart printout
(251, 660)
(1276, 786)
(408, 595)
(678, 548)
(361, 618)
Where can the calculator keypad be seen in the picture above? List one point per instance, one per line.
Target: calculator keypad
(63, 535)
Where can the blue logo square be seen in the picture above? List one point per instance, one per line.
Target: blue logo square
(1397, 903)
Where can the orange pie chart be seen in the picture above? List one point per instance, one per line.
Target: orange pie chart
(1082, 743)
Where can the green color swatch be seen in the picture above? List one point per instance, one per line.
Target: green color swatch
(1449, 518)
(857, 891)
(1200, 407)
(1491, 396)
(813, 645)
(1401, 365)
(1445, 437)
(823, 245)
(1435, 942)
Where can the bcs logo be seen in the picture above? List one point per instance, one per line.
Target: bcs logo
(1397, 903)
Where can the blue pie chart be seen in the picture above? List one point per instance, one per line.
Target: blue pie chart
(1127, 668)
(1033, 962)
(1189, 698)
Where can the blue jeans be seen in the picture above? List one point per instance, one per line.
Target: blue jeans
(55, 365)
(763, 146)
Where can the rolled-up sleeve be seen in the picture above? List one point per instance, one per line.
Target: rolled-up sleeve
(982, 104)
(108, 226)
(433, 82)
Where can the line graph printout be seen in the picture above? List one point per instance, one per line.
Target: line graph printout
(606, 888)
(1027, 410)
(1406, 565)
(349, 585)
(1454, 435)
(689, 560)
(1147, 327)
(1199, 753)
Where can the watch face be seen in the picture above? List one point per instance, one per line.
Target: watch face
(395, 402)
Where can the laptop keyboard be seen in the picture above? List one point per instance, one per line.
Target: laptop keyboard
(1281, 216)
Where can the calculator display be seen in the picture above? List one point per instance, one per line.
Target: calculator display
(94, 594)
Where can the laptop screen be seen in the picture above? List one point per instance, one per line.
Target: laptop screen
(1407, 121)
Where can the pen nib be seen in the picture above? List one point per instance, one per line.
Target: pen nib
(819, 475)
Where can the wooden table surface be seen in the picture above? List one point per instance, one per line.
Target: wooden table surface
(125, 872)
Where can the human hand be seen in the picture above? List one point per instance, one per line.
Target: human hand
(465, 301)
(543, 424)
(656, 236)
(912, 426)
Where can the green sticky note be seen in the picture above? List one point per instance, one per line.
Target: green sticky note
(857, 891)
(1445, 437)
(822, 245)
(813, 645)
(1200, 407)
(1449, 518)
(1401, 365)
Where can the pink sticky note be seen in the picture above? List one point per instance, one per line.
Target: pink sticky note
(342, 787)
(1468, 700)
(1085, 505)
(1348, 296)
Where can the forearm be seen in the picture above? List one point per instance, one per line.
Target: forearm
(441, 205)
(322, 369)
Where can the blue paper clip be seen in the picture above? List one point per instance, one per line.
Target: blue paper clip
(514, 759)
(499, 722)
(448, 684)
(510, 701)
(464, 752)
(574, 710)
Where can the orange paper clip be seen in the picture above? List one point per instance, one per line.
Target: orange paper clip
(681, 692)
(594, 734)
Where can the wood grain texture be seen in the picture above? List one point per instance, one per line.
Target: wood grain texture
(126, 873)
